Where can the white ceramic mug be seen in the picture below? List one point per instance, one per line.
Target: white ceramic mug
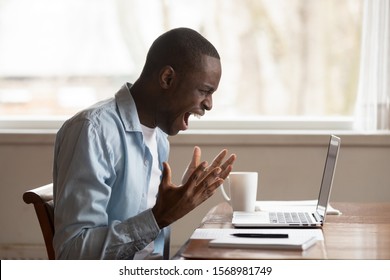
(243, 190)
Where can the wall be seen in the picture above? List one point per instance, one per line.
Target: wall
(290, 167)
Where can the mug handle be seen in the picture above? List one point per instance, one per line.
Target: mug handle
(227, 198)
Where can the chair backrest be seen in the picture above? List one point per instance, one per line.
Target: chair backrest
(42, 199)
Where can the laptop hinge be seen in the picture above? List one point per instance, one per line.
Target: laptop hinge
(317, 217)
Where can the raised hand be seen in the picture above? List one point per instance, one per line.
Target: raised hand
(173, 202)
(215, 163)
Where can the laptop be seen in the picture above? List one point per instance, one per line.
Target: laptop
(263, 219)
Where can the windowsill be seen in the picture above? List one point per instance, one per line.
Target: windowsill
(280, 138)
(225, 137)
(232, 132)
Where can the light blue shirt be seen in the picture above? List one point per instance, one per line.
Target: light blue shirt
(101, 175)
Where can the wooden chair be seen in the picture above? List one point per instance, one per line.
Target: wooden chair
(42, 199)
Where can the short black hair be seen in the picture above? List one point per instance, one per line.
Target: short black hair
(180, 48)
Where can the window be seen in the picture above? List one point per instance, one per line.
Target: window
(280, 58)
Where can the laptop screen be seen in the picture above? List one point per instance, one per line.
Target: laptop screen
(327, 177)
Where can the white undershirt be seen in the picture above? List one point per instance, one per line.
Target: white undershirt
(151, 142)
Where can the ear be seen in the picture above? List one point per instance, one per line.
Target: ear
(166, 77)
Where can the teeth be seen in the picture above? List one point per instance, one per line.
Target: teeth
(197, 116)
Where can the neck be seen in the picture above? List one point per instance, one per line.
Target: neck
(146, 103)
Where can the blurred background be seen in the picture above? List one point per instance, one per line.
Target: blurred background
(279, 58)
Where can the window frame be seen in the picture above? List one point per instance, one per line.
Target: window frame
(304, 123)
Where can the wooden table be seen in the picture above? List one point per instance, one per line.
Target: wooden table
(361, 232)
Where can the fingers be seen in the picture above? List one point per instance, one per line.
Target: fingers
(201, 172)
(227, 166)
(211, 180)
(207, 177)
(218, 159)
(207, 187)
(166, 174)
(194, 163)
(201, 182)
(196, 157)
(229, 161)
(198, 173)
(225, 172)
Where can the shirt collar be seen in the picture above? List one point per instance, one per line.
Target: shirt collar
(127, 109)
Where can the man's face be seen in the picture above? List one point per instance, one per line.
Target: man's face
(191, 94)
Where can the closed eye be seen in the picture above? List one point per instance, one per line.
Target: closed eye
(207, 91)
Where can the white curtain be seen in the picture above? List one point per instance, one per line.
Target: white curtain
(373, 103)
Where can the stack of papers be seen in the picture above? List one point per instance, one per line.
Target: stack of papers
(301, 243)
(298, 239)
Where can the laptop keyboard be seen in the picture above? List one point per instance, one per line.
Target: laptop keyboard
(290, 218)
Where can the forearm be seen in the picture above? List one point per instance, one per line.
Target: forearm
(119, 240)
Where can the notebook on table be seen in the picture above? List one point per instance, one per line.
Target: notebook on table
(297, 219)
(298, 243)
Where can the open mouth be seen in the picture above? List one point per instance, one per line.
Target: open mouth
(186, 118)
(188, 115)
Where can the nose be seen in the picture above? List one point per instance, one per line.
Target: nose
(208, 102)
